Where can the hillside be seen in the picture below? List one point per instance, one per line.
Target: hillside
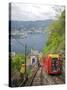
(56, 33)
(29, 25)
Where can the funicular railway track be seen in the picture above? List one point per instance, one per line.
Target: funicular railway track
(28, 82)
(51, 79)
(57, 79)
(41, 77)
(38, 79)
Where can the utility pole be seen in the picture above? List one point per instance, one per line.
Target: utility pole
(25, 58)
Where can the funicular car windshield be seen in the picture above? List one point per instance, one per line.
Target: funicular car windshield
(54, 64)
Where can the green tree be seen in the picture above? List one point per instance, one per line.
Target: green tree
(56, 39)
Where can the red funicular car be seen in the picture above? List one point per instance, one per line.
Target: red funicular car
(52, 63)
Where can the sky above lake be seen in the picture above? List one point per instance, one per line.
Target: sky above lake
(32, 12)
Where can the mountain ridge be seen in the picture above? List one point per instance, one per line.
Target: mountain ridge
(27, 25)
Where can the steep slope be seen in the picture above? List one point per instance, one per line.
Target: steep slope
(56, 39)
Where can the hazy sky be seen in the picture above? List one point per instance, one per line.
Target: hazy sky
(32, 12)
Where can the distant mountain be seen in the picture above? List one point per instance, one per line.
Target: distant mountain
(29, 25)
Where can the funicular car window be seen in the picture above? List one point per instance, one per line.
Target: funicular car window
(54, 64)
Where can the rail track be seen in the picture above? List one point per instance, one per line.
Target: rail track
(52, 79)
(57, 79)
(28, 82)
(40, 77)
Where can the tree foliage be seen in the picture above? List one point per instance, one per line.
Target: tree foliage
(56, 39)
(17, 61)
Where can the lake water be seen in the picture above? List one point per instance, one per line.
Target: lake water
(34, 41)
